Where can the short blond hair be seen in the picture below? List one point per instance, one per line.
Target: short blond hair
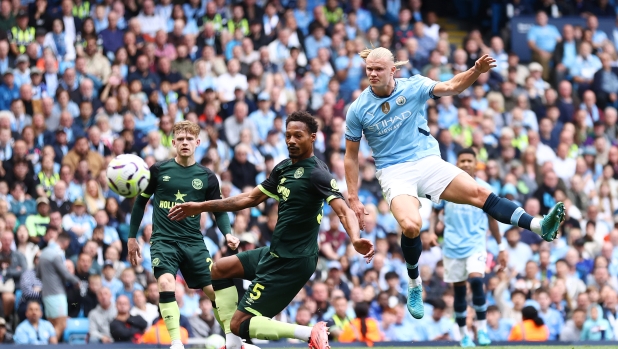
(186, 126)
(381, 52)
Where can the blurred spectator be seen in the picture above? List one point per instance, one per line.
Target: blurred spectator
(518, 299)
(572, 330)
(204, 324)
(362, 328)
(532, 328)
(13, 264)
(158, 334)
(146, 310)
(551, 317)
(35, 330)
(31, 287)
(129, 284)
(438, 327)
(596, 328)
(126, 327)
(53, 275)
(101, 317)
(6, 337)
(37, 224)
(498, 328)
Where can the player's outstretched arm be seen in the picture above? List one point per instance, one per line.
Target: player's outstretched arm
(137, 213)
(236, 203)
(351, 178)
(463, 80)
(350, 223)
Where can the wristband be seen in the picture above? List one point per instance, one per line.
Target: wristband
(502, 246)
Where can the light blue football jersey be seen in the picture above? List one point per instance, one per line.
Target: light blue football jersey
(465, 228)
(395, 126)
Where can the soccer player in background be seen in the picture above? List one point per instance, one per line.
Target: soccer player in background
(301, 184)
(178, 244)
(465, 253)
(391, 113)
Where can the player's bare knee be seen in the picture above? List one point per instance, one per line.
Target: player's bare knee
(167, 283)
(410, 227)
(237, 319)
(481, 195)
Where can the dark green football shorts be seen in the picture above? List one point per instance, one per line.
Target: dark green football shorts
(192, 258)
(276, 281)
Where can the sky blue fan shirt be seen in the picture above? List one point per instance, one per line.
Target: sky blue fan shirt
(465, 228)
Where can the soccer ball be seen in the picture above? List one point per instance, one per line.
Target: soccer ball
(215, 341)
(128, 175)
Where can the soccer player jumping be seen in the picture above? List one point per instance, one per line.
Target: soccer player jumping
(465, 254)
(391, 115)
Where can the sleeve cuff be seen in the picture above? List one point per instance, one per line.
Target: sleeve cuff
(431, 95)
(268, 193)
(330, 198)
(147, 196)
(352, 139)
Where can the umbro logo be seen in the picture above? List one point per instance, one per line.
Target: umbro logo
(166, 178)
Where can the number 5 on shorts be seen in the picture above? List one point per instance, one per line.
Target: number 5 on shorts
(255, 293)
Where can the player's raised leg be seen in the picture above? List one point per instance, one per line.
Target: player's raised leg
(249, 326)
(405, 209)
(276, 283)
(463, 189)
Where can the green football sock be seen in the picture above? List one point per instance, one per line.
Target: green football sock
(171, 316)
(262, 327)
(227, 302)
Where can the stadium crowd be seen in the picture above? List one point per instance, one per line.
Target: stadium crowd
(83, 82)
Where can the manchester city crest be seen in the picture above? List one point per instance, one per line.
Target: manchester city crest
(401, 100)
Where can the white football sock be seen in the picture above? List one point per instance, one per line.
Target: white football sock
(535, 225)
(232, 341)
(414, 283)
(302, 332)
(177, 344)
(481, 325)
(463, 331)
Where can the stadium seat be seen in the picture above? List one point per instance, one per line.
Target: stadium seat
(76, 331)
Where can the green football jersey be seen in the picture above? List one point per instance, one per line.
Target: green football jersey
(301, 189)
(173, 184)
